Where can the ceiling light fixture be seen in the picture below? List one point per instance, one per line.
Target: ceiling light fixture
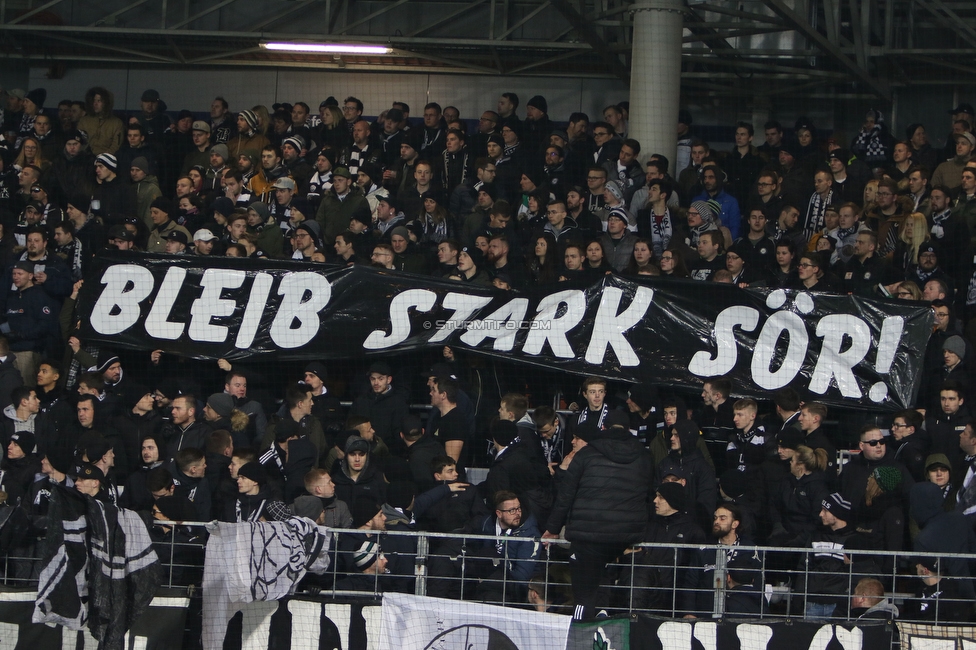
(327, 48)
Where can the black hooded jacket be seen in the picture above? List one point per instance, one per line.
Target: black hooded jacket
(604, 494)
(691, 464)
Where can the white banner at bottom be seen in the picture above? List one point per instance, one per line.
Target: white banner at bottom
(421, 623)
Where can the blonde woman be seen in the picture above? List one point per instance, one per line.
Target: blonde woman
(913, 234)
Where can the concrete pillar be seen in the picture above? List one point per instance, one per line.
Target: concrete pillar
(655, 76)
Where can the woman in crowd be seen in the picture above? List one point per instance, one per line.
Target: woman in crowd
(912, 234)
(30, 154)
(542, 264)
(673, 263)
(641, 258)
(796, 509)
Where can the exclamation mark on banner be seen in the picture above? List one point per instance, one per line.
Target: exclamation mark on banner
(891, 331)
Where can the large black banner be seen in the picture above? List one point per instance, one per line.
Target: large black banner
(844, 349)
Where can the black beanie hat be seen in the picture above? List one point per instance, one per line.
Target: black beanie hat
(674, 494)
(540, 103)
(363, 509)
(504, 432)
(254, 472)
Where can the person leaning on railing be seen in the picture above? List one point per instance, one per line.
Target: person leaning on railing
(602, 502)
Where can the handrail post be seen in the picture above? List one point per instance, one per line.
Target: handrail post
(719, 582)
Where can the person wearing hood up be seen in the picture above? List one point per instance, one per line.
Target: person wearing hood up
(943, 532)
(357, 474)
(686, 460)
(602, 503)
(135, 495)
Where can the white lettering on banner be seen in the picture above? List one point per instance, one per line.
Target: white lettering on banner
(850, 639)
(373, 617)
(340, 615)
(463, 305)
(295, 306)
(210, 304)
(846, 343)
(609, 326)
(783, 322)
(117, 308)
(674, 634)
(836, 330)
(514, 311)
(256, 300)
(9, 635)
(677, 635)
(419, 299)
(309, 611)
(158, 324)
(256, 626)
(560, 325)
(727, 351)
(891, 330)
(753, 637)
(707, 634)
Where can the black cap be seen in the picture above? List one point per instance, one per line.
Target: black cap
(790, 438)
(963, 108)
(120, 232)
(684, 117)
(88, 471)
(381, 367)
(177, 235)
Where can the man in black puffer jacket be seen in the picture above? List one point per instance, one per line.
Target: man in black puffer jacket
(603, 501)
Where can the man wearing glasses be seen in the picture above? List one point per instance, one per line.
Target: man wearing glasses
(503, 568)
(886, 215)
(909, 449)
(607, 144)
(352, 111)
(873, 445)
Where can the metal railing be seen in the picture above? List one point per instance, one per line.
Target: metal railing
(676, 580)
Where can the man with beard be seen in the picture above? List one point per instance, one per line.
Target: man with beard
(136, 495)
(727, 531)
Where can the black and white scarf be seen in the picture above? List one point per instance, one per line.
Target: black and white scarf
(938, 230)
(815, 212)
(510, 149)
(870, 142)
(585, 413)
(661, 232)
(698, 231)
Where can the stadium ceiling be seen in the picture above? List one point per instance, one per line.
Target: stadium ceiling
(748, 47)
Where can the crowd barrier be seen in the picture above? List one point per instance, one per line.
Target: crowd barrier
(662, 579)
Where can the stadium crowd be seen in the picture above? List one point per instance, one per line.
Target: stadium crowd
(512, 203)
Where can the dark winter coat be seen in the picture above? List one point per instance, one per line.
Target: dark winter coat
(603, 496)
